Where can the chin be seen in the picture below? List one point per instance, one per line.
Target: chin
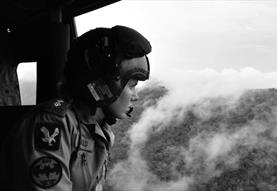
(121, 116)
(118, 116)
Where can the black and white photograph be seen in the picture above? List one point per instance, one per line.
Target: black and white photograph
(138, 95)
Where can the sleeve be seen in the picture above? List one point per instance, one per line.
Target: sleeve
(49, 151)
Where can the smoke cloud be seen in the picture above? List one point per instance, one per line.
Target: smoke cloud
(208, 153)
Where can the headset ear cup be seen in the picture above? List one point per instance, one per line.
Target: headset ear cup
(101, 92)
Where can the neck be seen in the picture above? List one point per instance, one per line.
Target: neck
(89, 114)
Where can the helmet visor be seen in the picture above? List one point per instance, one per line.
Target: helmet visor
(135, 68)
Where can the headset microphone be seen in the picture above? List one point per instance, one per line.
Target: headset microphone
(129, 112)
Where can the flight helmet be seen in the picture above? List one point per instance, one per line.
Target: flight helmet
(93, 70)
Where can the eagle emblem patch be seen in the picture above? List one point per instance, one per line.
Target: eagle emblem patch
(47, 136)
(46, 172)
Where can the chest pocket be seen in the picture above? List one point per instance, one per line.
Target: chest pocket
(84, 165)
(91, 156)
(87, 144)
(87, 157)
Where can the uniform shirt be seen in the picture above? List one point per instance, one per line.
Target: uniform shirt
(55, 149)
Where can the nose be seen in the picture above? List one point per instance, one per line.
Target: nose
(135, 96)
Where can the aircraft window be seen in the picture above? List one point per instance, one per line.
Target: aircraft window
(27, 77)
(209, 107)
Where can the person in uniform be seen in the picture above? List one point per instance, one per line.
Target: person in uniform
(63, 144)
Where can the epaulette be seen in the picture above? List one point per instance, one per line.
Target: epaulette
(55, 106)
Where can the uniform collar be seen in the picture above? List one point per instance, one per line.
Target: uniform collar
(99, 130)
(105, 133)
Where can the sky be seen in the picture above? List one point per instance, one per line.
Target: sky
(196, 35)
(212, 42)
(200, 49)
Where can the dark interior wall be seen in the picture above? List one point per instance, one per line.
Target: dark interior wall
(46, 44)
(35, 31)
(51, 59)
(9, 89)
(40, 31)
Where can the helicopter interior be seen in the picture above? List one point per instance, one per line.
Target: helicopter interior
(35, 31)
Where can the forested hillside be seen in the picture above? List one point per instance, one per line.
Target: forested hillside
(148, 97)
(213, 144)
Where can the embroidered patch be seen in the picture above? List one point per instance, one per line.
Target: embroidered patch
(47, 136)
(46, 172)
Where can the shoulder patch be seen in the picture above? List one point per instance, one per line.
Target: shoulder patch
(47, 136)
(46, 172)
(56, 106)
